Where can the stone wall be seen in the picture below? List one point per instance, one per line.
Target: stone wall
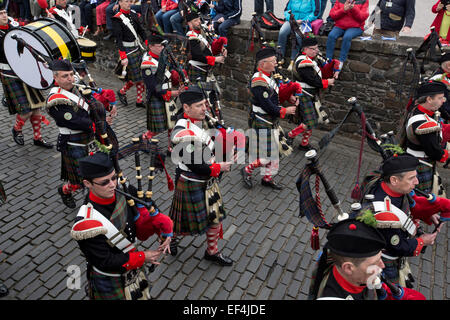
(371, 74)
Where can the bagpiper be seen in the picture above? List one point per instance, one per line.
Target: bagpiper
(264, 140)
(131, 40)
(197, 205)
(159, 77)
(425, 135)
(106, 228)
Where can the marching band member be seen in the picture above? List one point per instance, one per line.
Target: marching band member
(128, 31)
(22, 100)
(264, 115)
(197, 204)
(114, 268)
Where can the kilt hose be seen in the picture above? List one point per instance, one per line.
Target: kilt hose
(70, 154)
(156, 115)
(306, 113)
(134, 72)
(20, 98)
(188, 210)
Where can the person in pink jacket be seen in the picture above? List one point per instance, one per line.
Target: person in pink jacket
(168, 9)
(442, 21)
(349, 17)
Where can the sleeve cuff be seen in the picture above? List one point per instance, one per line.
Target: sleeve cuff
(325, 83)
(210, 60)
(444, 157)
(282, 112)
(418, 248)
(215, 170)
(167, 96)
(136, 260)
(123, 55)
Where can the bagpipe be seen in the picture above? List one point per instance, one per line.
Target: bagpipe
(255, 29)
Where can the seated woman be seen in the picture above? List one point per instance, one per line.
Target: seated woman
(101, 16)
(168, 9)
(228, 14)
(349, 17)
(442, 21)
(303, 10)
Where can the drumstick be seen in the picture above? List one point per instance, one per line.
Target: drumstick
(84, 31)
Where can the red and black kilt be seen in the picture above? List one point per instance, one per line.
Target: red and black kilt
(156, 115)
(70, 155)
(14, 92)
(188, 209)
(134, 72)
(261, 140)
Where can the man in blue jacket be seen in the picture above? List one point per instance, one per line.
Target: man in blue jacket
(228, 14)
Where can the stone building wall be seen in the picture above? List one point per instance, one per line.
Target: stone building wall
(371, 74)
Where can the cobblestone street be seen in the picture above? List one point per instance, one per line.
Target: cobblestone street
(263, 232)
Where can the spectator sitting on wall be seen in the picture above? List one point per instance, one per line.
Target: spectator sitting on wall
(396, 16)
(168, 9)
(228, 14)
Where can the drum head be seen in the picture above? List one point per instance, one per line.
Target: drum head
(25, 66)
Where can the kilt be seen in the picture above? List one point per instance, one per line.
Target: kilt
(188, 210)
(156, 115)
(262, 142)
(70, 154)
(196, 74)
(306, 112)
(16, 96)
(425, 177)
(102, 287)
(134, 72)
(105, 288)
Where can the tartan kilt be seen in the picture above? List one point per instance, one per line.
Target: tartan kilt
(188, 210)
(425, 177)
(105, 288)
(156, 115)
(134, 72)
(14, 92)
(261, 140)
(306, 112)
(70, 170)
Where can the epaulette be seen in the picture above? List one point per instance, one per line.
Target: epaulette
(58, 99)
(428, 126)
(117, 15)
(185, 135)
(259, 81)
(149, 64)
(87, 227)
(305, 63)
(386, 218)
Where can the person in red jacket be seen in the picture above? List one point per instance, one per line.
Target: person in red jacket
(442, 21)
(349, 17)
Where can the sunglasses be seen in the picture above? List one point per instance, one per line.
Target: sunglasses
(104, 183)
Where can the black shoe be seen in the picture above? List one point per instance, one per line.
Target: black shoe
(140, 105)
(43, 143)
(18, 137)
(219, 258)
(173, 247)
(271, 184)
(247, 179)
(108, 36)
(290, 141)
(3, 290)
(67, 199)
(305, 148)
(122, 98)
